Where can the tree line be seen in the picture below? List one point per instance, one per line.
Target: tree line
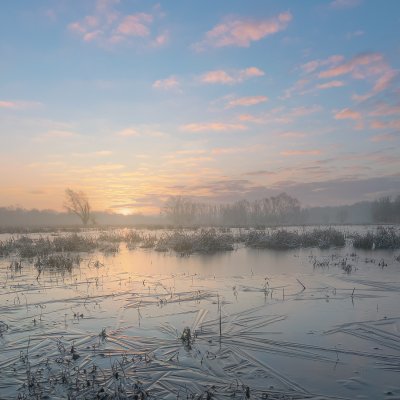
(386, 209)
(282, 209)
(274, 210)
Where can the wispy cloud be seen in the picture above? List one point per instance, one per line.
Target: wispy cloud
(247, 101)
(330, 85)
(251, 118)
(170, 83)
(365, 66)
(128, 132)
(109, 27)
(384, 109)
(313, 65)
(141, 131)
(358, 66)
(292, 134)
(213, 127)
(281, 115)
(235, 150)
(261, 172)
(95, 154)
(289, 153)
(231, 77)
(135, 25)
(392, 124)
(55, 135)
(348, 113)
(19, 104)
(108, 167)
(242, 32)
(384, 137)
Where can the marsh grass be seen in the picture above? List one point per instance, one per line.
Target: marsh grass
(57, 262)
(202, 241)
(75, 243)
(383, 238)
(284, 239)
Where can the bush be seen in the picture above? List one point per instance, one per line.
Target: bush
(383, 238)
(283, 239)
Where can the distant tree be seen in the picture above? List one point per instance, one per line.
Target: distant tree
(382, 210)
(342, 215)
(77, 203)
(180, 210)
(386, 209)
(284, 208)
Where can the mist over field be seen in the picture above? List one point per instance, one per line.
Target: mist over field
(181, 211)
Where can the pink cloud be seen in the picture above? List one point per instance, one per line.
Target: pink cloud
(394, 124)
(354, 67)
(128, 132)
(135, 25)
(252, 71)
(166, 84)
(213, 126)
(19, 105)
(303, 111)
(247, 101)
(281, 115)
(311, 66)
(384, 81)
(384, 109)
(104, 5)
(234, 150)
(55, 134)
(383, 138)
(88, 37)
(76, 27)
(347, 113)
(242, 32)
(329, 85)
(109, 27)
(218, 76)
(91, 21)
(8, 104)
(161, 39)
(251, 118)
(231, 77)
(298, 87)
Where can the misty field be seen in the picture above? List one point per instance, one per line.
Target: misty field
(285, 313)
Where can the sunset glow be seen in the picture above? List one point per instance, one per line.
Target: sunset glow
(135, 101)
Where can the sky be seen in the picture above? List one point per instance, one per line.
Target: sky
(135, 101)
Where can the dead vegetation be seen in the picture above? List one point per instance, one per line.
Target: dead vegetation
(384, 238)
(284, 239)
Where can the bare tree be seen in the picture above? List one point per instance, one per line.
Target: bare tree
(77, 203)
(180, 210)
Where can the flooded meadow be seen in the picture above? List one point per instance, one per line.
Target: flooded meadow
(200, 314)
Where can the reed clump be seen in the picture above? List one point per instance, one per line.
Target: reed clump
(383, 238)
(203, 241)
(284, 240)
(57, 262)
(74, 243)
